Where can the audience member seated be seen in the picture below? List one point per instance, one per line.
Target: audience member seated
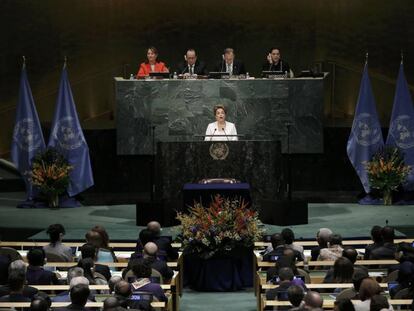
(380, 303)
(112, 282)
(65, 296)
(93, 277)
(145, 236)
(72, 273)
(288, 260)
(344, 305)
(369, 288)
(312, 300)
(111, 304)
(4, 266)
(99, 237)
(405, 278)
(352, 254)
(40, 303)
(295, 296)
(285, 281)
(55, 249)
(322, 237)
(142, 272)
(353, 293)
(78, 296)
(388, 249)
(342, 272)
(165, 250)
(20, 267)
(123, 291)
(150, 256)
(376, 236)
(289, 237)
(90, 251)
(278, 246)
(334, 249)
(35, 274)
(16, 282)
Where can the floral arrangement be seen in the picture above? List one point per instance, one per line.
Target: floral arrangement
(50, 172)
(222, 227)
(387, 171)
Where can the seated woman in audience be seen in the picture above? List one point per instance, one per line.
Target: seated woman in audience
(369, 288)
(342, 271)
(100, 239)
(55, 247)
(379, 303)
(334, 249)
(152, 64)
(35, 274)
(88, 266)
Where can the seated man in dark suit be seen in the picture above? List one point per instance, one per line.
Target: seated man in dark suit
(165, 250)
(78, 296)
(376, 236)
(90, 251)
(285, 281)
(16, 282)
(191, 66)
(150, 256)
(20, 267)
(278, 246)
(36, 275)
(230, 64)
(388, 249)
(322, 237)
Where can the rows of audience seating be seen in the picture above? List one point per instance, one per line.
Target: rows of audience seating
(374, 277)
(323, 274)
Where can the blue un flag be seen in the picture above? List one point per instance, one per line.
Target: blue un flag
(67, 137)
(366, 137)
(401, 130)
(27, 134)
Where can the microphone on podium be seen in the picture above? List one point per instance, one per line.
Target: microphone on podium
(211, 137)
(225, 133)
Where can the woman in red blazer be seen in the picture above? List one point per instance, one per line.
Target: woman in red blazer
(151, 65)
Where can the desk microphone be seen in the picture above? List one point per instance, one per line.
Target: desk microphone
(211, 137)
(225, 134)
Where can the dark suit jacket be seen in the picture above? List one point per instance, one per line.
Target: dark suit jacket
(165, 250)
(4, 266)
(15, 298)
(386, 251)
(104, 270)
(28, 291)
(280, 66)
(200, 68)
(39, 276)
(238, 67)
(161, 267)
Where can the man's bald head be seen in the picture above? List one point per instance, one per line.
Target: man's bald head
(123, 288)
(110, 303)
(150, 249)
(154, 226)
(313, 300)
(113, 281)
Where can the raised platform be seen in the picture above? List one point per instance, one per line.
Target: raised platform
(349, 220)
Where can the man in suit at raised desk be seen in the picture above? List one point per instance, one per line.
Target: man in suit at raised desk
(230, 64)
(191, 65)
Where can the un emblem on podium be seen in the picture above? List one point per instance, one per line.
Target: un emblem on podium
(219, 151)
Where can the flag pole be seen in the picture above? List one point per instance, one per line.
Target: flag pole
(65, 62)
(402, 57)
(24, 62)
(366, 58)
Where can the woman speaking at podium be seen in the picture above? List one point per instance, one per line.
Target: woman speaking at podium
(151, 64)
(221, 130)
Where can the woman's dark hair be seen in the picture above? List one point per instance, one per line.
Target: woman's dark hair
(343, 270)
(54, 232)
(379, 302)
(368, 289)
(271, 49)
(104, 235)
(217, 107)
(155, 51)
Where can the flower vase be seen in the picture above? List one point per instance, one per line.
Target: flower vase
(53, 200)
(387, 196)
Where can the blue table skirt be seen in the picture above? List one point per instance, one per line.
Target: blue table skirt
(221, 274)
